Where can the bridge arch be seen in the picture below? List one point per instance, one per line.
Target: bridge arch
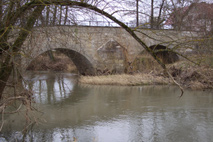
(82, 63)
(144, 61)
(164, 54)
(87, 43)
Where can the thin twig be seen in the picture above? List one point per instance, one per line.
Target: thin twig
(15, 110)
(181, 88)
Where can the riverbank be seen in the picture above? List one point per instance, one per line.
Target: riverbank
(125, 79)
(188, 76)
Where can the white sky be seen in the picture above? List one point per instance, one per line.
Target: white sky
(114, 5)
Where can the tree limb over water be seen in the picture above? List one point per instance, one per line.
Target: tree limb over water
(13, 13)
(39, 4)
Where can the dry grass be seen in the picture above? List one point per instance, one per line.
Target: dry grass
(185, 73)
(125, 79)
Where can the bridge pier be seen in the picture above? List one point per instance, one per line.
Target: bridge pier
(113, 58)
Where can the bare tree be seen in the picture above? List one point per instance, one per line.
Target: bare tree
(60, 16)
(1, 10)
(13, 15)
(152, 14)
(137, 13)
(9, 20)
(66, 15)
(159, 18)
(54, 15)
(32, 10)
(47, 14)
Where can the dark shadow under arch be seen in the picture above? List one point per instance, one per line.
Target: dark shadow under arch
(83, 65)
(162, 52)
(144, 62)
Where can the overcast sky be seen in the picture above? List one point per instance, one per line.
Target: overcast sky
(113, 5)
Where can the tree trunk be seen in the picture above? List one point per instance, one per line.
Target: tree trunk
(60, 15)
(7, 66)
(159, 15)
(137, 14)
(5, 72)
(66, 14)
(152, 14)
(47, 15)
(54, 15)
(1, 12)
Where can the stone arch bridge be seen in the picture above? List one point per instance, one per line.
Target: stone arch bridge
(93, 49)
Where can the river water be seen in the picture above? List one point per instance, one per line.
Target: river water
(84, 113)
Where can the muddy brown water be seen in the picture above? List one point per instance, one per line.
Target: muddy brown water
(87, 113)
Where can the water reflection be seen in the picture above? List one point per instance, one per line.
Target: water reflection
(115, 113)
(49, 87)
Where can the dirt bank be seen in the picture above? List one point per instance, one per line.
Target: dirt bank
(194, 77)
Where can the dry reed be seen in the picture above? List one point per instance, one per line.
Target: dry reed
(125, 79)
